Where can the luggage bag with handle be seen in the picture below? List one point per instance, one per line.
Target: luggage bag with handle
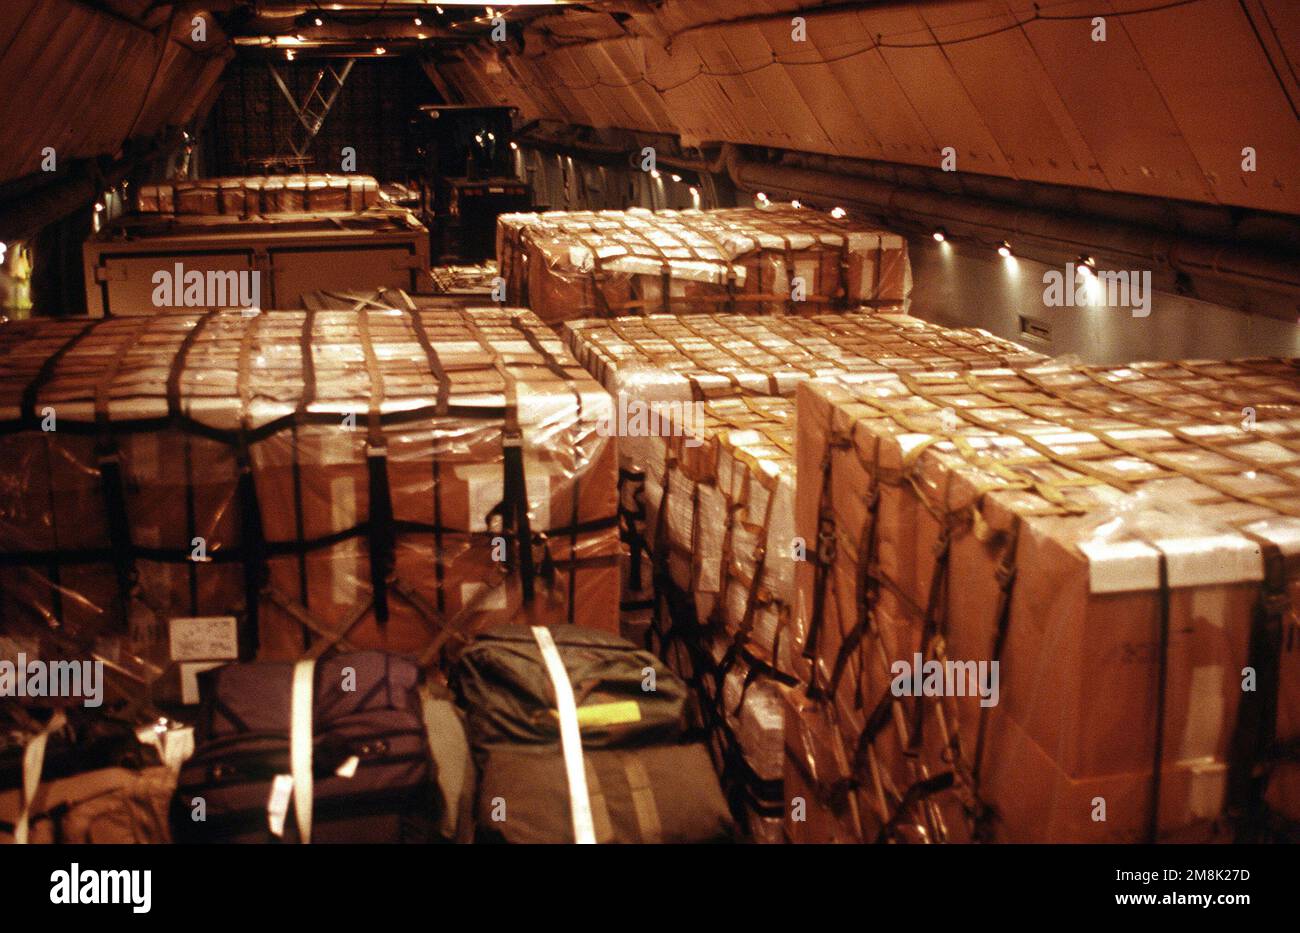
(324, 751)
(577, 735)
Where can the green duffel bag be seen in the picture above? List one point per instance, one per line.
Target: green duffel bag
(625, 696)
(656, 794)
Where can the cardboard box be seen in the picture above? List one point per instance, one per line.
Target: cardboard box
(569, 265)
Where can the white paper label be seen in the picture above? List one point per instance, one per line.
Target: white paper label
(204, 638)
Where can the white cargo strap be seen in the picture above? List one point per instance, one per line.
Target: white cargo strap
(300, 740)
(33, 762)
(584, 828)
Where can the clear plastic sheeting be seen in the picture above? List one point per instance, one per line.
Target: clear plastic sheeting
(662, 358)
(260, 194)
(1121, 542)
(388, 478)
(712, 489)
(467, 279)
(780, 259)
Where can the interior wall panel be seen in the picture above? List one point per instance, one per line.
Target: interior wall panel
(1033, 100)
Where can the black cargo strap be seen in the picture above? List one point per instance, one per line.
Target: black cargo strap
(631, 483)
(252, 546)
(112, 480)
(914, 796)
(825, 560)
(29, 419)
(1006, 576)
(435, 362)
(933, 626)
(252, 541)
(1255, 733)
(514, 505)
(380, 536)
(868, 587)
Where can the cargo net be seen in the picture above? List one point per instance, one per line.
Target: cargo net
(260, 194)
(387, 478)
(720, 514)
(714, 356)
(477, 279)
(707, 499)
(1121, 541)
(386, 299)
(750, 260)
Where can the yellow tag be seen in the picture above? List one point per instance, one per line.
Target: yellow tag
(607, 714)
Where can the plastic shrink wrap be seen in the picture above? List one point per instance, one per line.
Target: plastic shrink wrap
(569, 265)
(1121, 542)
(705, 418)
(260, 194)
(375, 478)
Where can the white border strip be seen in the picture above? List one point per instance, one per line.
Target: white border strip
(584, 827)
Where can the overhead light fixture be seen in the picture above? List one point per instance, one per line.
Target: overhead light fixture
(654, 173)
(940, 235)
(761, 197)
(99, 207)
(380, 50)
(418, 21)
(513, 144)
(796, 205)
(675, 177)
(1004, 249)
(838, 212)
(318, 21)
(1085, 265)
(288, 53)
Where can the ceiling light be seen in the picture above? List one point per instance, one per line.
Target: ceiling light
(838, 212)
(380, 50)
(940, 235)
(1085, 265)
(318, 21)
(514, 145)
(676, 177)
(796, 205)
(1004, 249)
(418, 21)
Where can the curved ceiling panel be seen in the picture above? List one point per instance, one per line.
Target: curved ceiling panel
(101, 79)
(1163, 106)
